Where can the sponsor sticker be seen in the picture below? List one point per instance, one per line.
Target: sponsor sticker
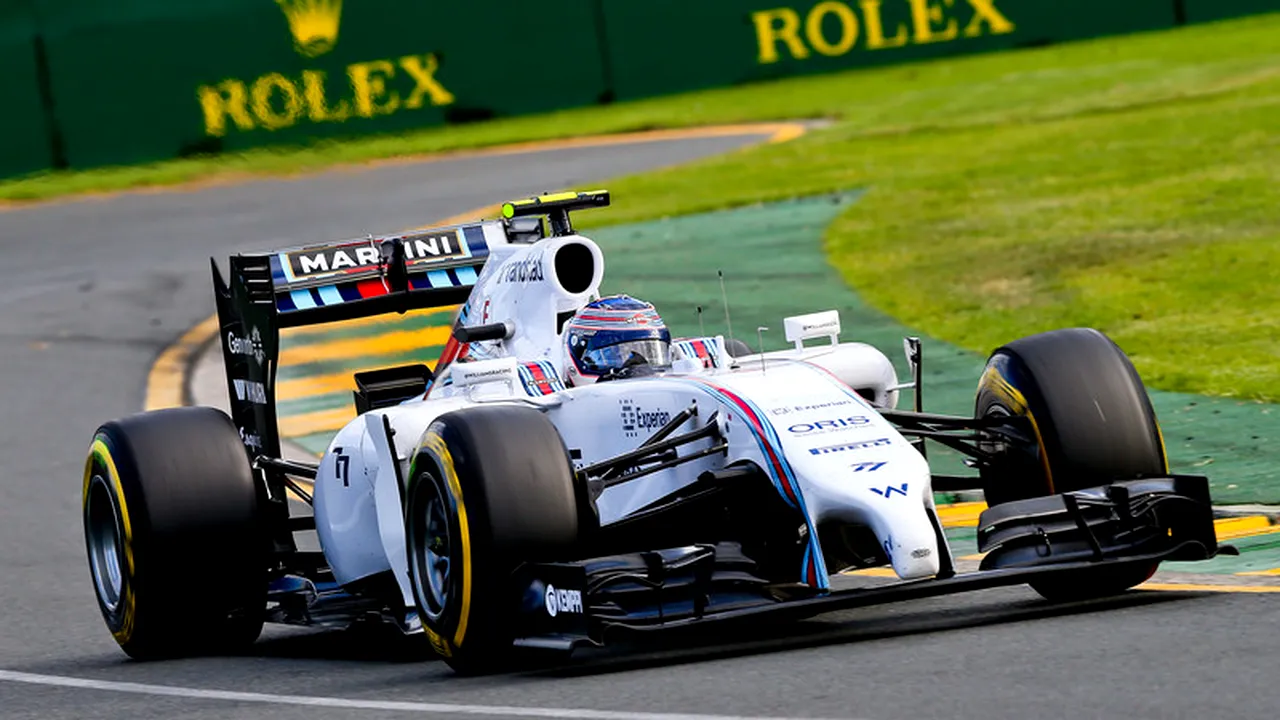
(826, 325)
(890, 490)
(250, 391)
(827, 450)
(563, 601)
(817, 427)
(867, 466)
(789, 409)
(247, 346)
(250, 440)
(637, 418)
(423, 248)
(524, 271)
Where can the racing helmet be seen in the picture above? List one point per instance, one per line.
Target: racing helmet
(608, 337)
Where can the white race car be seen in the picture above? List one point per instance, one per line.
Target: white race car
(569, 471)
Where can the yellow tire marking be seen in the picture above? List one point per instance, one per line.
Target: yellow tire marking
(1017, 402)
(437, 446)
(1271, 572)
(99, 450)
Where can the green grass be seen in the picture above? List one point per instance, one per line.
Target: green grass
(1131, 184)
(1140, 196)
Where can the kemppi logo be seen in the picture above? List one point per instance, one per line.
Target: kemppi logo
(563, 601)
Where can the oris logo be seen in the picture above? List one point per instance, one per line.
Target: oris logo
(828, 425)
(247, 346)
(563, 601)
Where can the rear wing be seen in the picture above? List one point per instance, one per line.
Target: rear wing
(315, 284)
(327, 283)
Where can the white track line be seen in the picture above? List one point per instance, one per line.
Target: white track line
(347, 704)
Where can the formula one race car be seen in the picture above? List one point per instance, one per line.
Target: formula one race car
(567, 472)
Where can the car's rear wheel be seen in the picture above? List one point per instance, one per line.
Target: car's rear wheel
(490, 487)
(1091, 422)
(175, 541)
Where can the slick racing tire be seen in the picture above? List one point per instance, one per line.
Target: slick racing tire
(490, 487)
(176, 544)
(736, 348)
(1091, 422)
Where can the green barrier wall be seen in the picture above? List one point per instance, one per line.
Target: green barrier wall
(1207, 10)
(734, 41)
(137, 80)
(24, 126)
(147, 79)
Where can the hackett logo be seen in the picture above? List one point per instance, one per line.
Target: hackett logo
(314, 24)
(834, 28)
(275, 101)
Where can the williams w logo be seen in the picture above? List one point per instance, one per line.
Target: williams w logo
(314, 24)
(890, 490)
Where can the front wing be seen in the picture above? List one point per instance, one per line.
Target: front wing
(1137, 523)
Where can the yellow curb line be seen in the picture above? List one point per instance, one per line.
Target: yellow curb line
(396, 341)
(166, 382)
(300, 333)
(884, 572)
(1192, 587)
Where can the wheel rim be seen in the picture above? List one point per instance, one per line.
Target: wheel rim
(105, 541)
(431, 549)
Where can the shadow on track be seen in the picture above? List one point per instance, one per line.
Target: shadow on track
(382, 645)
(632, 651)
(371, 643)
(850, 627)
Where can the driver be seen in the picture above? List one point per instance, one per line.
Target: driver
(615, 337)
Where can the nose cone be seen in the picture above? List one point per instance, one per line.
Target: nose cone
(912, 546)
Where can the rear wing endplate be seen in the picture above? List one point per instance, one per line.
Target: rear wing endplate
(328, 283)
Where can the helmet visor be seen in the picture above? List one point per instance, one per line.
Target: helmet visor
(614, 357)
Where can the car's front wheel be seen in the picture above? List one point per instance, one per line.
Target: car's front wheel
(490, 487)
(1091, 423)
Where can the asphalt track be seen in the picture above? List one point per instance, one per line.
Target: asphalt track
(92, 290)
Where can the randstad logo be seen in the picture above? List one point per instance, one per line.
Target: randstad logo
(276, 100)
(314, 24)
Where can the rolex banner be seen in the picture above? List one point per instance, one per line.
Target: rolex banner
(24, 124)
(760, 39)
(138, 80)
(99, 82)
